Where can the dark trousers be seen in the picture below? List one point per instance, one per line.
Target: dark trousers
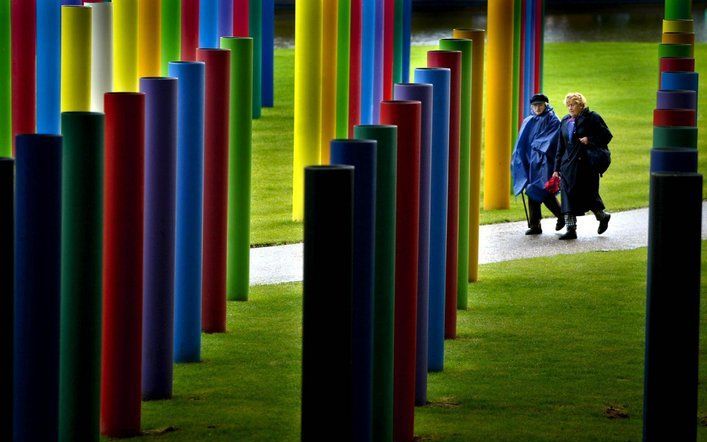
(534, 209)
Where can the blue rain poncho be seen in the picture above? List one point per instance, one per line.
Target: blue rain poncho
(533, 159)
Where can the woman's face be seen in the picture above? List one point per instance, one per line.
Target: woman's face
(538, 108)
(574, 108)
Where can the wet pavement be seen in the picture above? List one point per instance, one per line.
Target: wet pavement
(497, 242)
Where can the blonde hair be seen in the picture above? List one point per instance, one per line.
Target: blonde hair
(575, 97)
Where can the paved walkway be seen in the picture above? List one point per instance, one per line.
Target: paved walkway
(497, 242)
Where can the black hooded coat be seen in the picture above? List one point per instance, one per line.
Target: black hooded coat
(579, 182)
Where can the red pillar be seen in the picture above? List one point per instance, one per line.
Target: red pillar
(407, 116)
(121, 377)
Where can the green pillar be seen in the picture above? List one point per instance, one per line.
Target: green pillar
(239, 165)
(171, 33)
(256, 33)
(5, 81)
(81, 277)
(343, 43)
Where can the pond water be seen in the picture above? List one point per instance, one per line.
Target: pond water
(620, 23)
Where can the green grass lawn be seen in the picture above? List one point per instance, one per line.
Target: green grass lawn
(540, 356)
(619, 80)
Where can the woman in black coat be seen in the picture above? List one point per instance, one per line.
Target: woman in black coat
(582, 129)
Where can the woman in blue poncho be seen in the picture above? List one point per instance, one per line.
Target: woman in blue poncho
(533, 162)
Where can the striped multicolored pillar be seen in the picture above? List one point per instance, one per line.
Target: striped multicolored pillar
(674, 240)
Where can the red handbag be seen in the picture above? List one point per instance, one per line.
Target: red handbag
(553, 185)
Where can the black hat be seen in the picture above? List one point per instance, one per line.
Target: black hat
(539, 98)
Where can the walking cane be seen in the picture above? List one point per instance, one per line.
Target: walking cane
(527, 218)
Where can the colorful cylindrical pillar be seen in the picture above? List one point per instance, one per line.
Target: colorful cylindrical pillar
(215, 232)
(122, 264)
(355, 67)
(308, 76)
(343, 42)
(239, 165)
(125, 45)
(407, 116)
(378, 60)
(388, 44)
(37, 287)
(171, 29)
(326, 323)
(24, 51)
(7, 289)
(49, 51)
(424, 94)
(328, 84)
(81, 296)
(518, 57)
(407, 33)
(225, 18)
(268, 73)
(208, 24)
(255, 27)
(149, 35)
(465, 47)
(453, 61)
(368, 53)
(362, 155)
(384, 276)
(189, 209)
(440, 79)
(241, 18)
(477, 37)
(6, 138)
(497, 179)
(190, 29)
(398, 43)
(101, 53)
(75, 58)
(158, 261)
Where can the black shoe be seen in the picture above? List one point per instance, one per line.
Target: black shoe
(570, 234)
(604, 224)
(535, 230)
(560, 224)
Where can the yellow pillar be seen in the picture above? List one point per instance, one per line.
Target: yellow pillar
(125, 77)
(308, 76)
(497, 179)
(477, 36)
(330, 12)
(75, 58)
(149, 35)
